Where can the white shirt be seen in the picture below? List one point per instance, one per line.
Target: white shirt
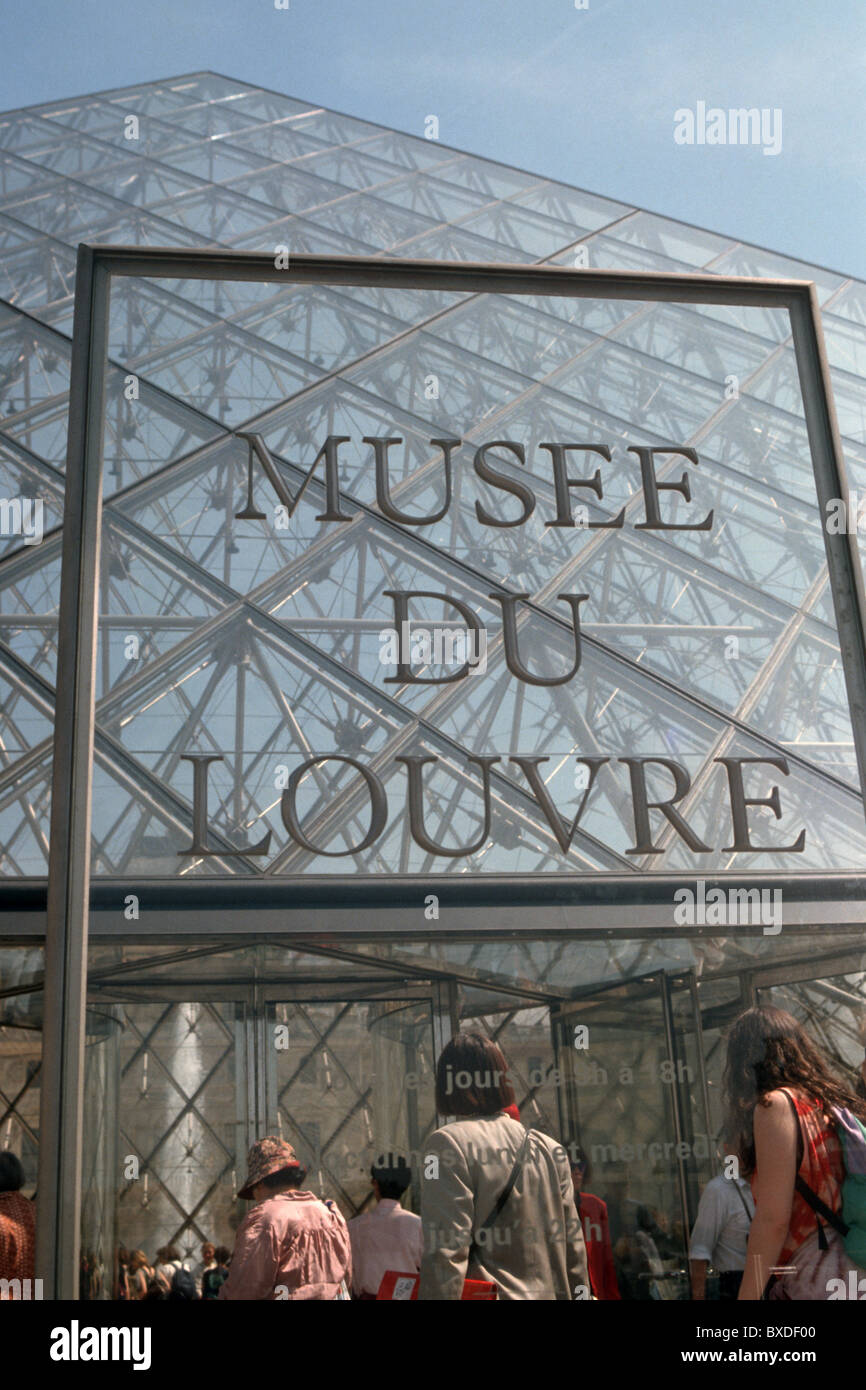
(385, 1238)
(168, 1271)
(721, 1230)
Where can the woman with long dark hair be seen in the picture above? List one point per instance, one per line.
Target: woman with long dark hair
(497, 1202)
(780, 1091)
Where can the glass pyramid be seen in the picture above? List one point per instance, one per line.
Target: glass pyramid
(262, 646)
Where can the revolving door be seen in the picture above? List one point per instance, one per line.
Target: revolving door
(185, 1076)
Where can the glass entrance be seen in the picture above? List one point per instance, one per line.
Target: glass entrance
(633, 1096)
(833, 1010)
(184, 1075)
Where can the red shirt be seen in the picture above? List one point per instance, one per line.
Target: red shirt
(17, 1237)
(822, 1168)
(596, 1232)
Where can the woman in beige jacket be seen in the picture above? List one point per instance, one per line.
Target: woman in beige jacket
(533, 1247)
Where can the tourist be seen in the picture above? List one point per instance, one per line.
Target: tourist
(214, 1278)
(291, 1245)
(207, 1261)
(721, 1233)
(780, 1090)
(386, 1238)
(497, 1202)
(592, 1212)
(140, 1276)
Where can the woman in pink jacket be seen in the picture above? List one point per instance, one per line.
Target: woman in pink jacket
(292, 1245)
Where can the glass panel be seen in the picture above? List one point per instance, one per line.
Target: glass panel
(572, 205)
(209, 86)
(512, 226)
(622, 1091)
(150, 100)
(805, 700)
(351, 168)
(225, 372)
(212, 121)
(846, 344)
(603, 251)
(396, 147)
(674, 240)
(216, 214)
(23, 134)
(141, 183)
(321, 325)
(213, 160)
(691, 639)
(752, 260)
(342, 1094)
(188, 1065)
(78, 156)
(287, 190)
(684, 339)
(512, 333)
(25, 809)
(454, 244)
(107, 122)
(21, 1013)
(18, 176)
(850, 302)
(482, 175)
(694, 642)
(833, 1010)
(779, 384)
(41, 279)
(432, 198)
(265, 106)
(141, 434)
(280, 142)
(146, 319)
(38, 494)
(378, 224)
(34, 365)
(173, 1115)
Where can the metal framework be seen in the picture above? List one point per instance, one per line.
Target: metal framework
(74, 747)
(246, 647)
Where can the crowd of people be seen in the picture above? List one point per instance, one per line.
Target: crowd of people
(506, 1211)
(170, 1276)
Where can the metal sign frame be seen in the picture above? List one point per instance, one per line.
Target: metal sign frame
(68, 897)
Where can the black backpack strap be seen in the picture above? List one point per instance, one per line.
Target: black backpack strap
(503, 1196)
(821, 1209)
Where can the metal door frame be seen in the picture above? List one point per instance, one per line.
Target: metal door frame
(665, 981)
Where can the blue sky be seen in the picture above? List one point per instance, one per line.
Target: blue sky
(586, 96)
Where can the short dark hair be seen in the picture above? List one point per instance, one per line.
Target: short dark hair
(578, 1159)
(393, 1178)
(472, 1077)
(166, 1254)
(222, 1255)
(11, 1172)
(292, 1176)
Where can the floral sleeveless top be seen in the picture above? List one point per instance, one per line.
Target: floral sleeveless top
(821, 1167)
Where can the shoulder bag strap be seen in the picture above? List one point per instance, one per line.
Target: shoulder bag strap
(504, 1194)
(743, 1200)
